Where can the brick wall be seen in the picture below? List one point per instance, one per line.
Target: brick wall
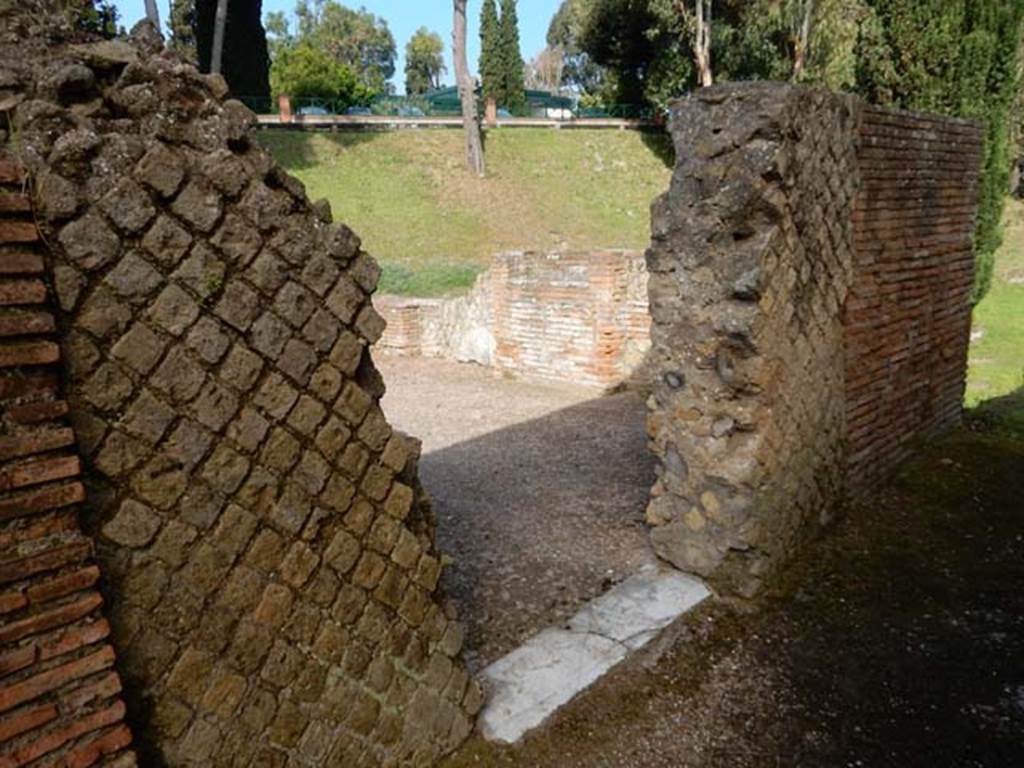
(810, 272)
(407, 333)
(908, 314)
(60, 699)
(568, 316)
(573, 317)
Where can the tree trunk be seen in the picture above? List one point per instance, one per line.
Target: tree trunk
(702, 43)
(802, 38)
(153, 14)
(467, 94)
(219, 23)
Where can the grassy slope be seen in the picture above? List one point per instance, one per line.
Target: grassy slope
(433, 226)
(997, 353)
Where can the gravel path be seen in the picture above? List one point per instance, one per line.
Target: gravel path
(539, 491)
(896, 642)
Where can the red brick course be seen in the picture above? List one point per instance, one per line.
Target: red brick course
(907, 316)
(60, 700)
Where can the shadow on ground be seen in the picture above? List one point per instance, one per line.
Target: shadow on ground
(661, 146)
(539, 492)
(898, 640)
(540, 517)
(293, 147)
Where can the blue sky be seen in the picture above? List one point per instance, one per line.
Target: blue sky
(404, 17)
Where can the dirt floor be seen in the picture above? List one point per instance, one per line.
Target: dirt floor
(898, 640)
(539, 490)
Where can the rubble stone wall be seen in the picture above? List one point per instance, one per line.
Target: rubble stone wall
(570, 317)
(810, 270)
(267, 551)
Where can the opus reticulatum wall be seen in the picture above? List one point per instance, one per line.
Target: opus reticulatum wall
(264, 541)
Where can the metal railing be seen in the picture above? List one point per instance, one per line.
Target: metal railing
(414, 107)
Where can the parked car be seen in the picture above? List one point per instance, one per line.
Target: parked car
(410, 111)
(502, 112)
(313, 110)
(359, 111)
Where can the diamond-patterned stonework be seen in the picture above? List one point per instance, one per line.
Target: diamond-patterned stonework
(269, 552)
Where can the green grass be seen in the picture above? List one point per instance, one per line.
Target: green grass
(996, 366)
(434, 227)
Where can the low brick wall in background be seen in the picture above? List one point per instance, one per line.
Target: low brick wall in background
(59, 692)
(573, 317)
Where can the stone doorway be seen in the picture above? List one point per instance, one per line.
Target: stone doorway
(539, 492)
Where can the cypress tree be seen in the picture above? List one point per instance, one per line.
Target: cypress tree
(954, 57)
(491, 78)
(246, 64)
(512, 68)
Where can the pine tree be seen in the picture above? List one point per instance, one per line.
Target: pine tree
(492, 81)
(512, 67)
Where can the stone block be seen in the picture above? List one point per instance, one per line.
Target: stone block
(178, 376)
(199, 205)
(269, 335)
(133, 526)
(139, 349)
(147, 417)
(133, 278)
(174, 310)
(297, 360)
(167, 241)
(89, 242)
(276, 396)
(161, 169)
(242, 368)
(108, 388)
(268, 272)
(248, 429)
(202, 272)
(128, 206)
(215, 406)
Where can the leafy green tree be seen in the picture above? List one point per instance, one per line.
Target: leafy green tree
(279, 34)
(491, 79)
(640, 43)
(303, 71)
(579, 71)
(358, 39)
(182, 28)
(511, 57)
(646, 47)
(832, 53)
(98, 17)
(424, 62)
